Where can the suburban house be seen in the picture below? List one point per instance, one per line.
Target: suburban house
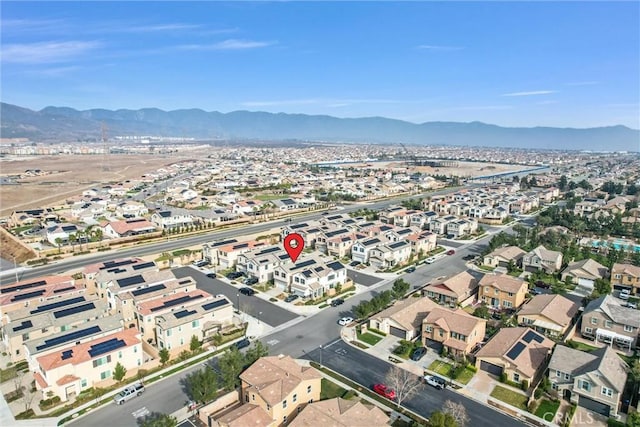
(455, 330)
(77, 367)
(309, 277)
(461, 227)
(585, 272)
(341, 246)
(286, 204)
(439, 225)
(607, 321)
(59, 233)
(26, 293)
(549, 314)
(422, 243)
(404, 318)
(501, 257)
(31, 216)
(128, 227)
(261, 262)
(166, 220)
(361, 250)
(501, 291)
(460, 289)
(593, 380)
(542, 258)
(273, 388)
(339, 412)
(518, 353)
(224, 254)
(626, 276)
(386, 256)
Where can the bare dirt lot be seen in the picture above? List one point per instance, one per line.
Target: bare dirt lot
(464, 169)
(70, 175)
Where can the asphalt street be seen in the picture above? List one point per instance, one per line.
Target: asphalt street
(362, 278)
(256, 307)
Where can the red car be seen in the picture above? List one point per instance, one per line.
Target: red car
(451, 252)
(385, 391)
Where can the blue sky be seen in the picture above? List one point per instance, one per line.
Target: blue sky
(568, 64)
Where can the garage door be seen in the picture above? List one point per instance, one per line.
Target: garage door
(397, 332)
(434, 345)
(491, 368)
(592, 405)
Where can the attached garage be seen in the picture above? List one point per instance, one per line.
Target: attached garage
(397, 332)
(594, 405)
(491, 368)
(434, 345)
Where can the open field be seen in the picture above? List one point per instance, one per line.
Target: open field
(71, 174)
(464, 169)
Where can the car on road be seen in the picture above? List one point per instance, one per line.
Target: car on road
(250, 281)
(437, 382)
(336, 302)
(344, 321)
(384, 391)
(247, 291)
(469, 257)
(451, 252)
(244, 342)
(288, 220)
(430, 260)
(543, 285)
(418, 353)
(129, 393)
(211, 275)
(410, 269)
(291, 298)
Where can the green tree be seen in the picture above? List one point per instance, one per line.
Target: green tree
(202, 385)
(59, 244)
(119, 372)
(601, 287)
(400, 288)
(482, 311)
(562, 184)
(255, 352)
(159, 420)
(633, 419)
(231, 364)
(440, 419)
(195, 344)
(164, 356)
(634, 376)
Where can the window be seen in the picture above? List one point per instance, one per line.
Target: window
(284, 419)
(309, 389)
(607, 323)
(594, 320)
(558, 373)
(83, 383)
(628, 328)
(585, 385)
(516, 377)
(607, 391)
(588, 330)
(104, 375)
(135, 349)
(507, 304)
(246, 398)
(284, 404)
(527, 321)
(567, 377)
(554, 386)
(428, 329)
(25, 337)
(486, 289)
(253, 397)
(119, 355)
(195, 323)
(295, 398)
(168, 332)
(497, 292)
(510, 294)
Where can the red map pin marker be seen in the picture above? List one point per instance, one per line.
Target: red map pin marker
(293, 244)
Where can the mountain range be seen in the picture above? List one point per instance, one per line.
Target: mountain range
(68, 124)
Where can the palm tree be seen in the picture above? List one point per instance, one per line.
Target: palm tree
(59, 243)
(73, 238)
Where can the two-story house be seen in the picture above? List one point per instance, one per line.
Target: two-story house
(339, 412)
(460, 289)
(585, 272)
(542, 258)
(361, 250)
(607, 321)
(626, 276)
(501, 291)
(502, 257)
(548, 314)
(593, 380)
(386, 256)
(455, 330)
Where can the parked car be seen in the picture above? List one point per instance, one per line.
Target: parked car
(625, 294)
(250, 281)
(244, 342)
(247, 291)
(451, 252)
(468, 257)
(385, 391)
(437, 382)
(344, 321)
(235, 275)
(129, 393)
(410, 269)
(211, 275)
(336, 302)
(543, 285)
(430, 260)
(291, 298)
(418, 353)
(354, 263)
(631, 305)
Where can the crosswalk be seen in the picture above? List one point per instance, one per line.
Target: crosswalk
(142, 412)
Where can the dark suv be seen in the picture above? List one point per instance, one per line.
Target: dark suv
(234, 275)
(336, 302)
(247, 291)
(291, 298)
(418, 353)
(242, 343)
(250, 281)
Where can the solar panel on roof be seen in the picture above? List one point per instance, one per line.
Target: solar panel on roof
(223, 243)
(304, 264)
(241, 245)
(148, 289)
(532, 336)
(176, 301)
(61, 339)
(396, 245)
(111, 264)
(23, 286)
(144, 265)
(184, 282)
(215, 304)
(69, 228)
(68, 288)
(67, 354)
(28, 295)
(116, 270)
(335, 265)
(268, 250)
(73, 310)
(24, 325)
(106, 347)
(516, 350)
(55, 305)
(130, 281)
(183, 313)
(371, 242)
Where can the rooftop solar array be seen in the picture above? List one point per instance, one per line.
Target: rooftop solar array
(184, 282)
(183, 313)
(176, 301)
(23, 286)
(336, 232)
(335, 265)
(28, 295)
(73, 336)
(304, 264)
(268, 250)
(111, 264)
(67, 354)
(55, 305)
(532, 336)
(67, 288)
(106, 347)
(215, 304)
(223, 243)
(371, 242)
(73, 310)
(24, 325)
(331, 218)
(397, 245)
(148, 289)
(116, 270)
(241, 245)
(516, 350)
(144, 265)
(69, 228)
(130, 281)
(296, 226)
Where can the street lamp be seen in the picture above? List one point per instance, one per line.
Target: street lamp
(259, 314)
(321, 355)
(238, 303)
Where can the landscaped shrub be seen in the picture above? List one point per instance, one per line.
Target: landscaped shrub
(524, 385)
(503, 377)
(538, 393)
(611, 422)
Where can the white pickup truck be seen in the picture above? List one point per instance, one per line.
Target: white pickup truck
(129, 393)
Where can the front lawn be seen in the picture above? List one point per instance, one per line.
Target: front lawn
(465, 376)
(547, 409)
(370, 339)
(442, 368)
(511, 397)
(329, 390)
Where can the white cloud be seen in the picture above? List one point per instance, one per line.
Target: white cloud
(438, 47)
(230, 44)
(46, 52)
(530, 93)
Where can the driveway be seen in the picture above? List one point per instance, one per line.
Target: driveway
(584, 417)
